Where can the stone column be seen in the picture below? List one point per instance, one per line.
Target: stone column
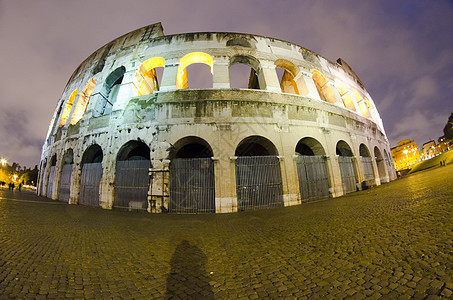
(158, 194)
(335, 181)
(74, 191)
(169, 76)
(290, 179)
(311, 86)
(221, 73)
(377, 177)
(57, 178)
(267, 77)
(106, 186)
(225, 184)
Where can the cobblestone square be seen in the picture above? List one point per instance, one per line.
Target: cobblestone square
(390, 242)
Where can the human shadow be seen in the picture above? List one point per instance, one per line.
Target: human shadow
(188, 278)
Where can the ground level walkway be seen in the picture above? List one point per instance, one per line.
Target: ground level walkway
(394, 241)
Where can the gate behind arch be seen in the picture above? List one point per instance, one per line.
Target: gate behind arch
(132, 184)
(313, 180)
(65, 183)
(192, 185)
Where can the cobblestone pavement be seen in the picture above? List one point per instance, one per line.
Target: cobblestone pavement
(394, 241)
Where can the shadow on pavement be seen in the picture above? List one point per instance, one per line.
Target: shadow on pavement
(188, 278)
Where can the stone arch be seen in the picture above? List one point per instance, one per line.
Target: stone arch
(291, 80)
(132, 180)
(109, 90)
(68, 157)
(240, 42)
(312, 170)
(361, 103)
(133, 150)
(83, 101)
(343, 149)
(67, 108)
(256, 146)
(346, 95)
(93, 154)
(363, 151)
(146, 78)
(310, 147)
(324, 88)
(245, 61)
(91, 175)
(347, 167)
(191, 147)
(43, 177)
(182, 81)
(380, 162)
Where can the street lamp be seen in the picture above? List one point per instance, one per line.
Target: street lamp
(3, 162)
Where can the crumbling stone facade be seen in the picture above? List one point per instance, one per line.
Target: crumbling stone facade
(123, 137)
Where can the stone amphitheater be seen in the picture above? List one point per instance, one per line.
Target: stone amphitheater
(211, 122)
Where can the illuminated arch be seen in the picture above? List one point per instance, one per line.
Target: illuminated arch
(362, 104)
(345, 94)
(185, 61)
(146, 78)
(324, 88)
(67, 108)
(291, 83)
(82, 103)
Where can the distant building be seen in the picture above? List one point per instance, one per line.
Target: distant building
(429, 150)
(405, 154)
(444, 144)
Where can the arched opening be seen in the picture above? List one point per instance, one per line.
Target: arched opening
(83, 101)
(289, 83)
(239, 42)
(324, 88)
(388, 163)
(361, 103)
(67, 108)
(383, 176)
(149, 75)
(66, 174)
(110, 90)
(53, 163)
(192, 184)
(367, 164)
(346, 164)
(91, 175)
(258, 174)
(243, 72)
(131, 176)
(345, 94)
(312, 170)
(200, 76)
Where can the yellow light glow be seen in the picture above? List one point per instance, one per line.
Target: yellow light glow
(318, 78)
(191, 58)
(67, 109)
(348, 101)
(145, 79)
(3, 162)
(83, 101)
(342, 89)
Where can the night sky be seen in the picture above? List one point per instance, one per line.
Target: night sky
(401, 50)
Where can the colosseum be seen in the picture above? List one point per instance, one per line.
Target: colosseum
(211, 122)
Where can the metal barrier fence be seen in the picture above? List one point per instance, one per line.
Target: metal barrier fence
(367, 168)
(348, 176)
(50, 182)
(65, 183)
(313, 180)
(132, 184)
(192, 185)
(258, 182)
(89, 184)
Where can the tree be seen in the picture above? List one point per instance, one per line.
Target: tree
(448, 129)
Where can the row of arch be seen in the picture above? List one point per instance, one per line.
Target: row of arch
(149, 74)
(192, 173)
